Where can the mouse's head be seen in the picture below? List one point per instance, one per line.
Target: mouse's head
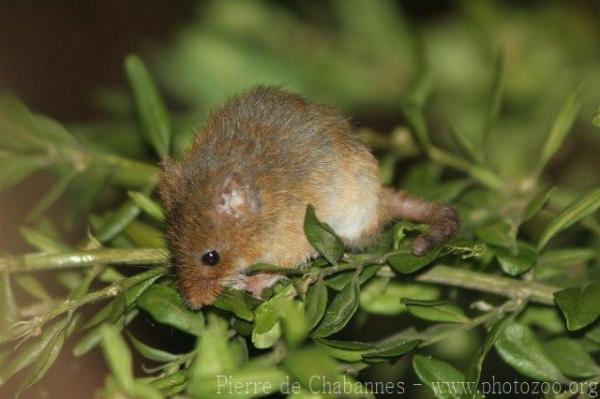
(210, 222)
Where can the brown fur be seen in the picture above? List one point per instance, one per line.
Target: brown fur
(243, 189)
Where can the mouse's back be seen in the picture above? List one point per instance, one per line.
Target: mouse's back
(267, 131)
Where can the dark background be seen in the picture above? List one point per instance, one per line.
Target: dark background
(54, 53)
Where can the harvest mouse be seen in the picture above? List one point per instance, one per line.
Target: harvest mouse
(240, 194)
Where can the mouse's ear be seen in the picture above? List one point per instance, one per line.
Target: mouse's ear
(169, 182)
(236, 200)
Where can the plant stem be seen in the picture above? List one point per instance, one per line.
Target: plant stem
(29, 327)
(504, 286)
(129, 173)
(77, 259)
(482, 175)
(440, 332)
(444, 275)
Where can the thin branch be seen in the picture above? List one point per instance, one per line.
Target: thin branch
(444, 275)
(481, 174)
(77, 259)
(32, 326)
(495, 284)
(441, 332)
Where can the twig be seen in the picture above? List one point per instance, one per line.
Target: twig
(31, 326)
(504, 286)
(445, 275)
(439, 332)
(482, 175)
(77, 259)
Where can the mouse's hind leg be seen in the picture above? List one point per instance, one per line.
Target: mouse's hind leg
(442, 219)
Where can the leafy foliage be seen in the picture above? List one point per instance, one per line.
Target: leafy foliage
(524, 236)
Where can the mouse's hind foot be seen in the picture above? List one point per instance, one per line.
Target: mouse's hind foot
(442, 219)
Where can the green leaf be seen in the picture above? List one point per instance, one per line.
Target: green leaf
(93, 337)
(69, 279)
(572, 358)
(239, 351)
(171, 384)
(474, 372)
(466, 141)
(593, 334)
(266, 318)
(537, 203)
(54, 133)
(111, 275)
(391, 352)
(515, 265)
(546, 318)
(9, 309)
(41, 242)
(238, 302)
(17, 129)
(340, 280)
(242, 327)
(580, 305)
(268, 338)
(147, 204)
(145, 235)
(214, 355)
(408, 263)
(269, 312)
(151, 353)
(383, 297)
(570, 215)
(352, 351)
(305, 363)
(433, 310)
(50, 198)
(496, 234)
(150, 107)
(565, 257)
(85, 284)
(322, 237)
(117, 355)
(315, 303)
(32, 350)
(166, 306)
(33, 287)
(439, 376)
(449, 191)
(47, 357)
(16, 168)
(131, 295)
(421, 180)
(477, 146)
(262, 380)
(117, 221)
(118, 309)
(348, 351)
(265, 267)
(560, 128)
(340, 311)
(519, 347)
(145, 391)
(295, 326)
(493, 107)
(416, 119)
(89, 185)
(596, 118)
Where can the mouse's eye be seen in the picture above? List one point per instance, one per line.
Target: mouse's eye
(210, 258)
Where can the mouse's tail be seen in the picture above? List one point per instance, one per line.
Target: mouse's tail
(442, 219)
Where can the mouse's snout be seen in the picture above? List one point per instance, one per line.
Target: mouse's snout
(201, 293)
